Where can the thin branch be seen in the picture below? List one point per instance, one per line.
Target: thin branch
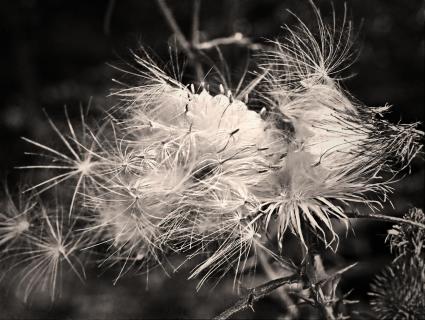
(256, 294)
(195, 21)
(193, 49)
(382, 217)
(108, 17)
(237, 39)
(168, 15)
(196, 38)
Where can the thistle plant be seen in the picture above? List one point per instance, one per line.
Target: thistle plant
(191, 169)
(398, 292)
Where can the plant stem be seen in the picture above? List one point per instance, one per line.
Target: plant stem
(271, 274)
(256, 294)
(195, 38)
(236, 39)
(108, 17)
(168, 15)
(195, 21)
(383, 217)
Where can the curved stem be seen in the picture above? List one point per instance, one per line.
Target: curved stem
(383, 217)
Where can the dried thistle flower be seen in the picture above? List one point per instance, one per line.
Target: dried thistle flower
(182, 169)
(338, 149)
(303, 192)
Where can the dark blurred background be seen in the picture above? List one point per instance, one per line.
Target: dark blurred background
(57, 53)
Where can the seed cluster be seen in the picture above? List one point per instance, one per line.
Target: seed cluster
(179, 169)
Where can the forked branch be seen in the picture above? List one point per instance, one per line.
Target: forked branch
(194, 48)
